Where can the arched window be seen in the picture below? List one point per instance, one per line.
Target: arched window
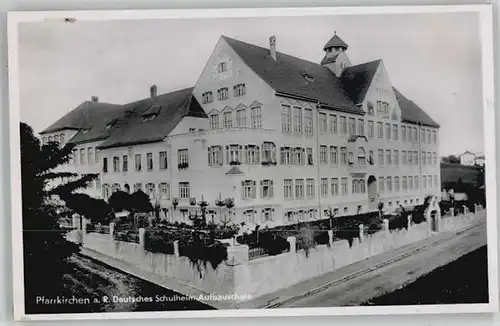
(61, 139)
(361, 156)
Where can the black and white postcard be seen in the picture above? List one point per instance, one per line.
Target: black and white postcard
(249, 162)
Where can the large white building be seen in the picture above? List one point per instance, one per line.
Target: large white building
(287, 139)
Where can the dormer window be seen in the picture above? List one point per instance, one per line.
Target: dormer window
(110, 123)
(151, 113)
(308, 77)
(222, 67)
(148, 117)
(86, 130)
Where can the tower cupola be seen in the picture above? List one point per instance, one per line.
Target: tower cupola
(335, 58)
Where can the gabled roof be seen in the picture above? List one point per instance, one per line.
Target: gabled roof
(286, 75)
(84, 116)
(167, 111)
(357, 79)
(335, 41)
(412, 113)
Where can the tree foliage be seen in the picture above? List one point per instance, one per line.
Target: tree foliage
(94, 209)
(44, 244)
(119, 201)
(140, 202)
(450, 159)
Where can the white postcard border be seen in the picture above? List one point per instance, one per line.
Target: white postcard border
(485, 13)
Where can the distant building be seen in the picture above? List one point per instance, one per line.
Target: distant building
(467, 158)
(282, 138)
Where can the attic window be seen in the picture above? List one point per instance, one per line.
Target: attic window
(151, 113)
(111, 123)
(149, 117)
(86, 130)
(308, 77)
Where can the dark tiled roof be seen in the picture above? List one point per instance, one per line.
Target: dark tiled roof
(286, 75)
(170, 108)
(357, 79)
(84, 116)
(331, 59)
(335, 41)
(411, 112)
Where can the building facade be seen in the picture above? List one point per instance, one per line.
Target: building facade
(281, 138)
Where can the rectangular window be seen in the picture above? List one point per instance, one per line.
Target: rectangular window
(252, 154)
(423, 158)
(395, 132)
(125, 163)
(343, 186)
(429, 158)
(104, 164)
(343, 155)
(266, 189)
(222, 94)
(116, 164)
(215, 155)
(388, 130)
(286, 118)
(417, 183)
(287, 188)
(380, 130)
(150, 190)
(137, 186)
(163, 160)
(138, 162)
(269, 152)
(333, 123)
(299, 188)
(298, 155)
(434, 136)
(409, 133)
(335, 186)
(343, 125)
(183, 159)
(82, 155)
(410, 182)
(164, 191)
(371, 131)
(352, 126)
(414, 134)
(248, 189)
(308, 121)
(380, 160)
(405, 183)
(310, 188)
(221, 67)
(381, 187)
(396, 184)
(207, 97)
(239, 90)
(403, 157)
(415, 157)
(285, 155)
(388, 184)
(241, 118)
(256, 117)
(149, 160)
(428, 136)
(309, 154)
(214, 121)
(184, 190)
(297, 119)
(410, 159)
(422, 136)
(435, 181)
(233, 153)
(90, 155)
(388, 157)
(361, 127)
(424, 182)
(323, 158)
(322, 122)
(228, 119)
(403, 133)
(396, 157)
(334, 153)
(324, 187)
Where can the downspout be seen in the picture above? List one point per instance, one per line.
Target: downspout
(318, 106)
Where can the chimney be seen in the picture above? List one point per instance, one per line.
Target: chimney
(272, 47)
(153, 91)
(94, 99)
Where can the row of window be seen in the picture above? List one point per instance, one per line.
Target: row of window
(299, 120)
(150, 189)
(84, 156)
(223, 93)
(408, 157)
(56, 138)
(389, 184)
(121, 164)
(240, 121)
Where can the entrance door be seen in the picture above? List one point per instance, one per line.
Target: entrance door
(372, 192)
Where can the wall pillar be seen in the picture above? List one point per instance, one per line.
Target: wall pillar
(237, 255)
(111, 229)
(452, 210)
(361, 232)
(330, 238)
(386, 225)
(293, 246)
(142, 238)
(176, 248)
(408, 225)
(465, 209)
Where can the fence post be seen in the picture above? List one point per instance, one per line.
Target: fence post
(176, 248)
(142, 238)
(475, 208)
(465, 209)
(361, 233)
(452, 210)
(408, 225)
(292, 242)
(330, 238)
(111, 229)
(386, 225)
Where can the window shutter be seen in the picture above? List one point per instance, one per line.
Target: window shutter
(244, 158)
(243, 189)
(273, 153)
(304, 158)
(271, 188)
(282, 156)
(261, 189)
(257, 156)
(254, 189)
(227, 155)
(209, 157)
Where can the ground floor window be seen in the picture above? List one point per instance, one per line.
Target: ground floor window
(184, 190)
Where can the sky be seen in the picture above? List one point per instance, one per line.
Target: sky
(433, 59)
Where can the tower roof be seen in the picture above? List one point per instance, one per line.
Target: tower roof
(335, 41)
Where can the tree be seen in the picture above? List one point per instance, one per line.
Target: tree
(452, 159)
(120, 201)
(94, 209)
(44, 244)
(140, 202)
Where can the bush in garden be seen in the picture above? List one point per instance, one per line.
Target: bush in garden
(305, 239)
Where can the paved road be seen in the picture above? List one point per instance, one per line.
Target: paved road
(449, 247)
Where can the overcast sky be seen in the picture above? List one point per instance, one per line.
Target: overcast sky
(433, 59)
